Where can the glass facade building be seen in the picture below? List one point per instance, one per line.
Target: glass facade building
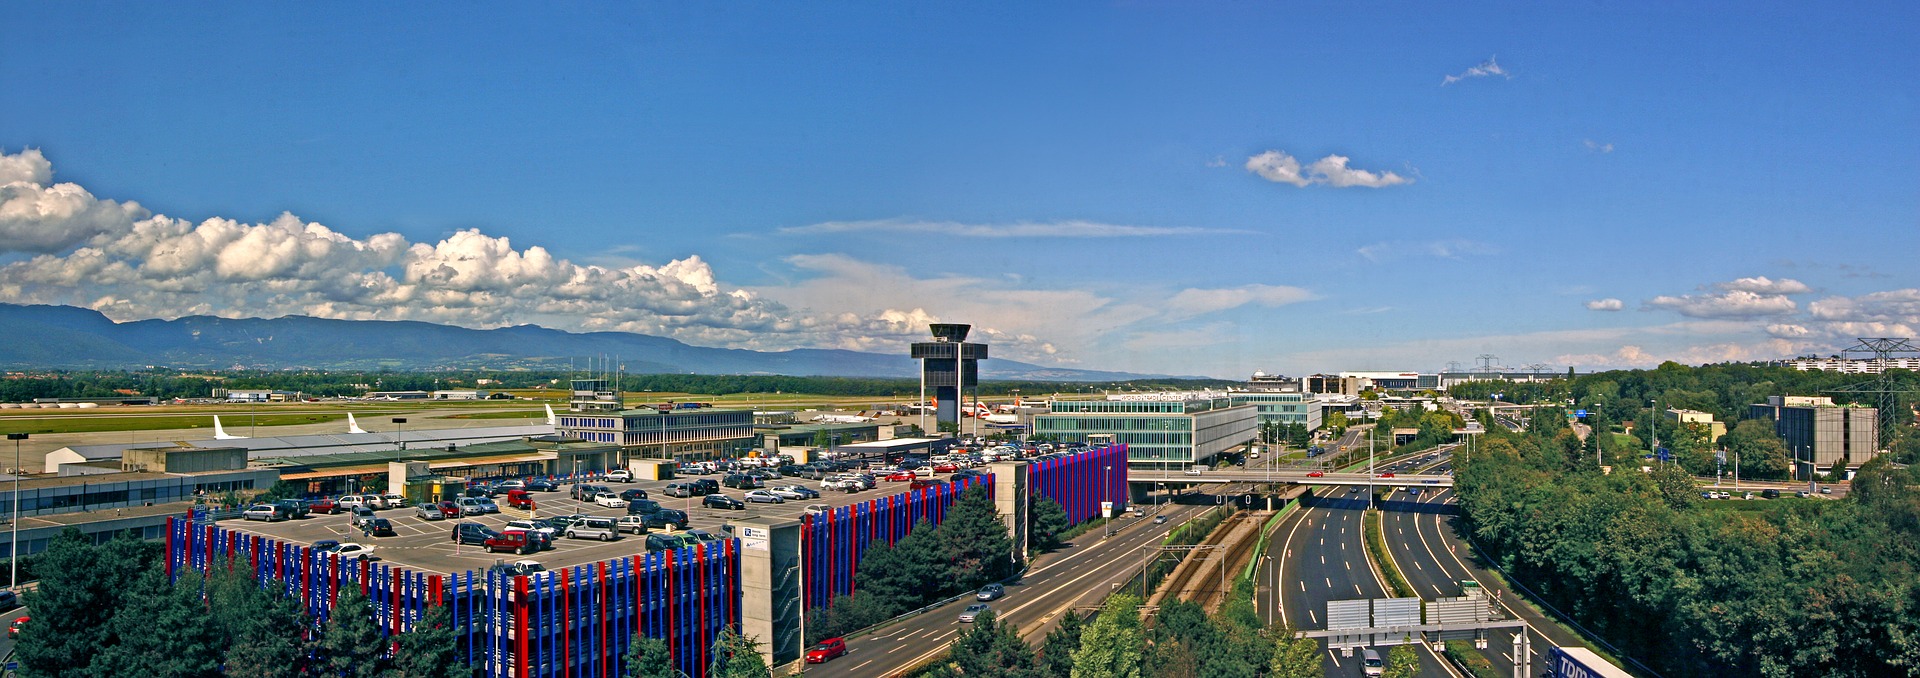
(1170, 433)
(1285, 408)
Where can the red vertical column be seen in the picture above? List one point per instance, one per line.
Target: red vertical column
(522, 663)
(606, 659)
(170, 520)
(393, 583)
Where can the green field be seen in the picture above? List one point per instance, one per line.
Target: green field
(236, 424)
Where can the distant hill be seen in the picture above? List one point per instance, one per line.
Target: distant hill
(77, 338)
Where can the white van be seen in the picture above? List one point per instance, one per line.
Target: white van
(1370, 662)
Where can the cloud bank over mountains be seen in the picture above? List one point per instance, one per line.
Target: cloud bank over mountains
(60, 244)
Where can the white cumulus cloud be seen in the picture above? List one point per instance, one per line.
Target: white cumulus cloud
(1486, 69)
(1282, 168)
(1765, 285)
(1730, 304)
(1605, 305)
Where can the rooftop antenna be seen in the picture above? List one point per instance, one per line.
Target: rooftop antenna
(1886, 389)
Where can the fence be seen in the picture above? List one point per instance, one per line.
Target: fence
(832, 543)
(1081, 481)
(572, 621)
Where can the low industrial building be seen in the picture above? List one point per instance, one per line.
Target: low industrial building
(775, 437)
(122, 495)
(1162, 431)
(299, 445)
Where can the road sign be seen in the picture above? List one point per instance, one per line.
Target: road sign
(1582, 414)
(1663, 453)
(1349, 614)
(1396, 612)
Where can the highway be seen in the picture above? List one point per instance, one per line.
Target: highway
(1077, 576)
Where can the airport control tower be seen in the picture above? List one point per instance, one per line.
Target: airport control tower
(948, 365)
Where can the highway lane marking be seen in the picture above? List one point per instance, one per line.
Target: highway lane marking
(1303, 586)
(1357, 591)
(896, 648)
(1349, 565)
(1329, 581)
(1323, 560)
(1312, 617)
(856, 667)
(1335, 656)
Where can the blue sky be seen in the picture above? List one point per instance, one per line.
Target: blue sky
(1180, 188)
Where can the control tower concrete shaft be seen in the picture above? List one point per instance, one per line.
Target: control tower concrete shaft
(949, 365)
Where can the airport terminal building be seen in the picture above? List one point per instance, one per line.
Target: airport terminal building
(682, 434)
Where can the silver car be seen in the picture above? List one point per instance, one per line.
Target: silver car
(973, 612)
(428, 512)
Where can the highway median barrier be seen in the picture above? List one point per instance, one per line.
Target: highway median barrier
(1377, 547)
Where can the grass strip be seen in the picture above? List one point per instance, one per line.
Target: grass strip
(1377, 545)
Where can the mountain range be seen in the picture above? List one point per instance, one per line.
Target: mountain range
(68, 337)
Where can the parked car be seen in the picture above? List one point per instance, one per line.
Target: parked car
(528, 525)
(924, 472)
(703, 536)
(722, 501)
(923, 483)
(509, 541)
(542, 486)
(620, 475)
(355, 550)
(665, 519)
(817, 509)
(393, 501)
(450, 510)
(901, 476)
(609, 500)
(707, 485)
(361, 515)
(325, 506)
(509, 485)
(764, 497)
(826, 649)
(487, 505)
(350, 502)
(631, 523)
(741, 481)
(473, 534)
(326, 545)
(633, 493)
(795, 492)
(518, 568)
(520, 499)
(594, 528)
(380, 527)
(9, 599)
(662, 542)
(681, 490)
(990, 592)
(586, 492)
(973, 612)
(948, 467)
(471, 506)
(296, 509)
(428, 512)
(266, 512)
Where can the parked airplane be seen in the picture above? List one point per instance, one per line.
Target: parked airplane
(552, 420)
(841, 419)
(353, 426)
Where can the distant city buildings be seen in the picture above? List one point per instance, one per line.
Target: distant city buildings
(1821, 434)
(1853, 365)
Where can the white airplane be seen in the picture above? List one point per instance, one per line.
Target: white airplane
(551, 419)
(841, 419)
(220, 432)
(1001, 419)
(353, 426)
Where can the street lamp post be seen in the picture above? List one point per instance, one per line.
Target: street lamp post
(399, 435)
(13, 546)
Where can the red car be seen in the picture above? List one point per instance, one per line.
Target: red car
(324, 506)
(511, 541)
(1388, 474)
(900, 476)
(13, 630)
(825, 650)
(450, 510)
(948, 467)
(519, 499)
(1315, 474)
(924, 483)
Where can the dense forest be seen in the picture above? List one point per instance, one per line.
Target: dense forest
(26, 386)
(1687, 587)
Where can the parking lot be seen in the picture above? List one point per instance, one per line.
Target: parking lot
(427, 544)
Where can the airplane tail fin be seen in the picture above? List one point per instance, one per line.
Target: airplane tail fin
(353, 426)
(220, 432)
(551, 419)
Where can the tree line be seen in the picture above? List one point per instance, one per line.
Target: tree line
(24, 387)
(1792, 587)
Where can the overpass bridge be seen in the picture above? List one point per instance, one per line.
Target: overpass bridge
(1293, 477)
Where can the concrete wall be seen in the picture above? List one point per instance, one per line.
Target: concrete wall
(770, 585)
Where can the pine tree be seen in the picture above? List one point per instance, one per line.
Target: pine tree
(432, 649)
(647, 657)
(992, 650)
(351, 645)
(1049, 521)
(973, 543)
(263, 630)
(81, 587)
(736, 656)
(1056, 655)
(164, 631)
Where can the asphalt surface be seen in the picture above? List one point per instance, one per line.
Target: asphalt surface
(1077, 576)
(427, 544)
